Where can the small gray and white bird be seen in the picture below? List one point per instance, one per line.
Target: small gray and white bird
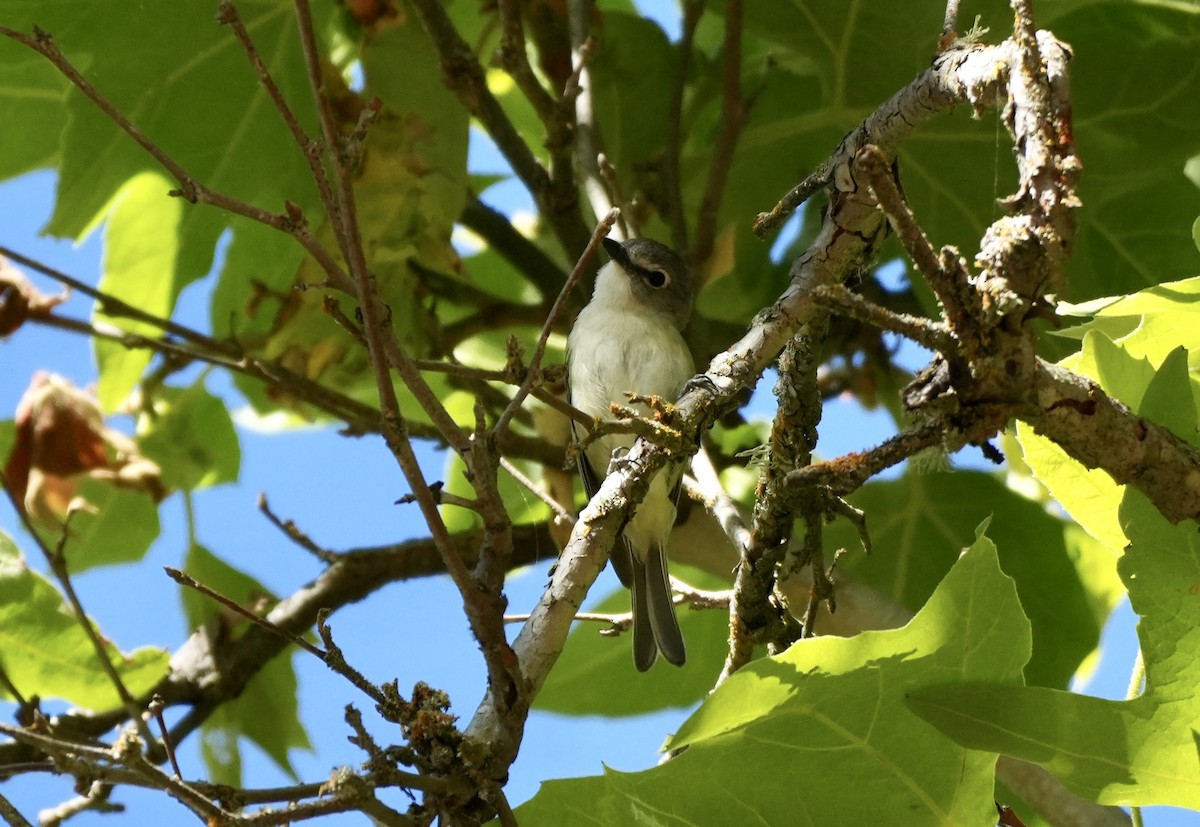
(627, 339)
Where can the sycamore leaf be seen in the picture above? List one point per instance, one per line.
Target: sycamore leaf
(45, 652)
(1138, 752)
(830, 708)
(918, 524)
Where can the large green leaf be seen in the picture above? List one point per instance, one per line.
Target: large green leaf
(267, 711)
(1139, 752)
(45, 652)
(632, 59)
(192, 92)
(919, 524)
(1136, 94)
(769, 743)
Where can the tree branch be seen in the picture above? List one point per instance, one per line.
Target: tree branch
(495, 227)
(559, 204)
(733, 119)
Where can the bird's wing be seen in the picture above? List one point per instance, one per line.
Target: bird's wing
(622, 552)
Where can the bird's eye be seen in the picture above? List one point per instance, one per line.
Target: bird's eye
(656, 278)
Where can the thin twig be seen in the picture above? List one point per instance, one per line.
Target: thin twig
(336, 660)
(95, 799)
(227, 13)
(626, 223)
(733, 119)
(112, 306)
(539, 393)
(295, 534)
(532, 374)
(503, 809)
(693, 10)
(11, 814)
(847, 474)
(718, 502)
(561, 513)
(844, 302)
(766, 223)
(177, 788)
(156, 709)
(9, 687)
(359, 418)
(514, 58)
(881, 179)
(185, 579)
(950, 22)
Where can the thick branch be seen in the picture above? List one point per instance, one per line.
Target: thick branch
(206, 672)
(1100, 432)
(495, 227)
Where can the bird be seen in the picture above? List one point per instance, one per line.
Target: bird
(628, 339)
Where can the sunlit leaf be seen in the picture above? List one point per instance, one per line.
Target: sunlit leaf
(140, 248)
(45, 652)
(830, 708)
(919, 524)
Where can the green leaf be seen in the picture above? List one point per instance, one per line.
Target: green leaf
(140, 249)
(1135, 88)
(191, 437)
(629, 65)
(1148, 324)
(1132, 753)
(118, 528)
(266, 712)
(920, 523)
(32, 97)
(594, 672)
(830, 708)
(44, 651)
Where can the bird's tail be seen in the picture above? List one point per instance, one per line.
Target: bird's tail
(655, 626)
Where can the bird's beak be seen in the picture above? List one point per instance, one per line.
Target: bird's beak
(616, 252)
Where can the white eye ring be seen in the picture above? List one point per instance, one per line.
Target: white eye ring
(657, 278)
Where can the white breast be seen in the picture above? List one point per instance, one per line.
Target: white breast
(612, 350)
